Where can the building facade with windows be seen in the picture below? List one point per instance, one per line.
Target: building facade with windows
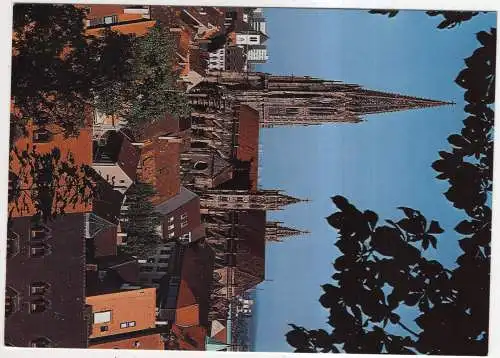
(45, 283)
(112, 314)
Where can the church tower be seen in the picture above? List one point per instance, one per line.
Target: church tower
(222, 199)
(276, 233)
(292, 100)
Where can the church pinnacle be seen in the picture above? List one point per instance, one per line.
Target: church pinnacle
(275, 232)
(265, 199)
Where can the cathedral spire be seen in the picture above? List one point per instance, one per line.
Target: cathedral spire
(303, 100)
(216, 199)
(276, 233)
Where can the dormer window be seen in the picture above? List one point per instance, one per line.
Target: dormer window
(42, 135)
(39, 250)
(39, 306)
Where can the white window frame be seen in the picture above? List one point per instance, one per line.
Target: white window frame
(102, 317)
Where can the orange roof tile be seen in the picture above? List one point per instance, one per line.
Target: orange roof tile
(187, 316)
(248, 141)
(221, 336)
(79, 148)
(160, 167)
(119, 303)
(148, 342)
(137, 28)
(190, 338)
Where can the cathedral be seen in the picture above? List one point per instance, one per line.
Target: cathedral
(220, 162)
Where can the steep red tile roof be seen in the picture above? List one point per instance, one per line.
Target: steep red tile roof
(105, 242)
(190, 338)
(248, 141)
(78, 147)
(97, 11)
(128, 158)
(221, 336)
(167, 125)
(160, 167)
(139, 28)
(196, 275)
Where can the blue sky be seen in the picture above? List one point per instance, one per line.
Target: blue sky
(380, 164)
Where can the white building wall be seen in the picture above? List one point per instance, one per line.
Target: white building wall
(114, 175)
(247, 39)
(156, 266)
(257, 54)
(217, 60)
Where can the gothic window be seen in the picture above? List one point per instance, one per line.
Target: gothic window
(12, 244)
(200, 165)
(39, 288)
(41, 342)
(11, 301)
(292, 111)
(39, 250)
(42, 135)
(38, 306)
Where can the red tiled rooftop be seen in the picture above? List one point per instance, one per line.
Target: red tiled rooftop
(136, 28)
(78, 147)
(248, 141)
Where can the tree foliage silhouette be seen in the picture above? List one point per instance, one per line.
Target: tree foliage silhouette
(49, 80)
(450, 18)
(383, 268)
(141, 221)
(142, 85)
(58, 71)
(46, 185)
